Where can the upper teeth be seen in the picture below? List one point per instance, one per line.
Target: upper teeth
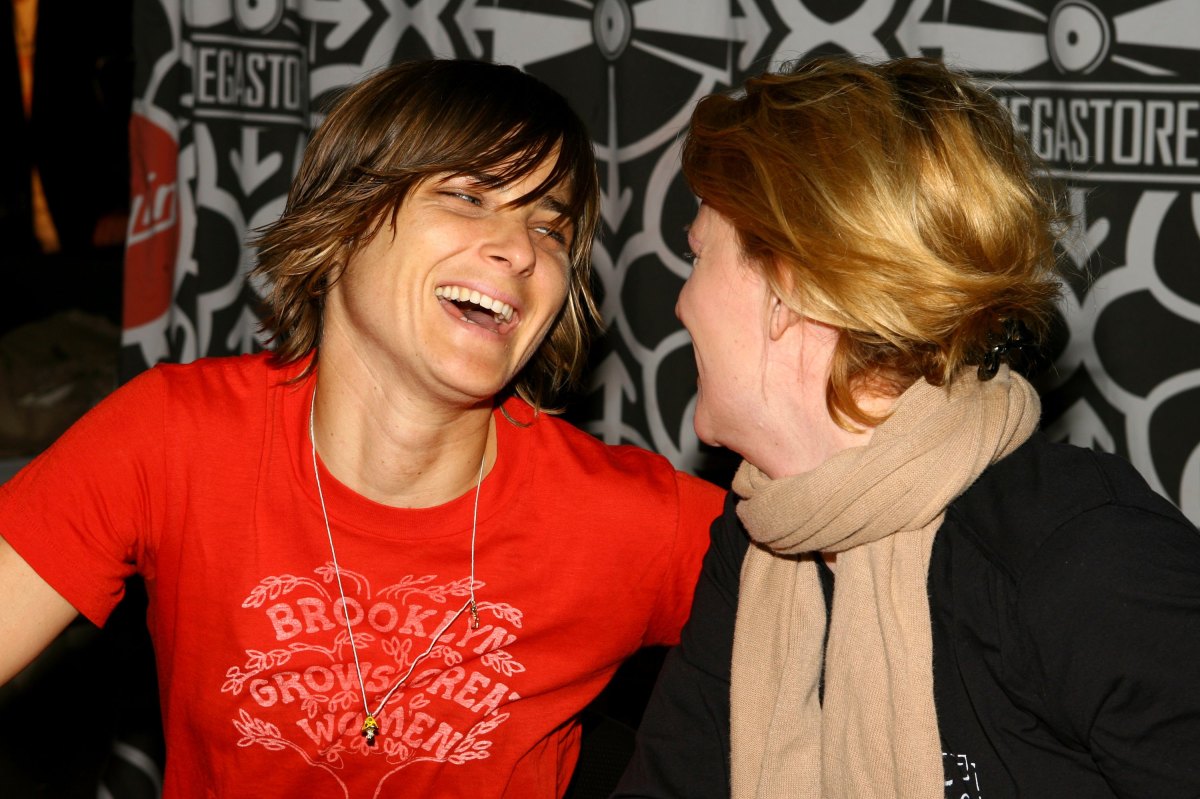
(502, 310)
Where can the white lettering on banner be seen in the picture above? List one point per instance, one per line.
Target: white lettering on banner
(248, 80)
(153, 209)
(304, 679)
(253, 78)
(1142, 137)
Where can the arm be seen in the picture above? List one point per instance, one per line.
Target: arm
(683, 741)
(698, 502)
(31, 613)
(69, 523)
(1112, 616)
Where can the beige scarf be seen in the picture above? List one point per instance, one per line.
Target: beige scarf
(876, 734)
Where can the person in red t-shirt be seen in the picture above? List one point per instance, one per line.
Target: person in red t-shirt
(375, 564)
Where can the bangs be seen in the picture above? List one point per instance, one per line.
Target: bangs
(511, 164)
(423, 120)
(522, 153)
(490, 123)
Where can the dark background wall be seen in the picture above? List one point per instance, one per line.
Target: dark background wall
(1108, 92)
(227, 91)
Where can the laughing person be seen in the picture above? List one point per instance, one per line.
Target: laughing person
(375, 564)
(912, 592)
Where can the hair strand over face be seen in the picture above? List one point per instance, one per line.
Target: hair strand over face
(407, 124)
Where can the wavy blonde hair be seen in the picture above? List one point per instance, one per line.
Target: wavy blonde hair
(895, 202)
(401, 126)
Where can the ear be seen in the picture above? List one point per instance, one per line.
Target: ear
(779, 317)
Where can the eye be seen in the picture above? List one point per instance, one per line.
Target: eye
(462, 195)
(553, 233)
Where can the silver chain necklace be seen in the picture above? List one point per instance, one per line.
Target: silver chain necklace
(370, 727)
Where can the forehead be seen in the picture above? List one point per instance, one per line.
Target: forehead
(544, 183)
(711, 226)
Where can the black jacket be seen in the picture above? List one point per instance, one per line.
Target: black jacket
(1065, 609)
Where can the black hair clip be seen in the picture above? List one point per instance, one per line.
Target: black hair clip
(1016, 348)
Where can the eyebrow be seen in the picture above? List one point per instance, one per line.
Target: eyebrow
(556, 205)
(546, 201)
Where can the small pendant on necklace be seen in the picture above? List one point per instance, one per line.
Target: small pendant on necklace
(474, 616)
(370, 729)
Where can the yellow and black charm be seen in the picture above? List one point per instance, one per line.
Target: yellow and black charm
(370, 729)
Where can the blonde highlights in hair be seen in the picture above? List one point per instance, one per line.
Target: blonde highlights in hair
(413, 122)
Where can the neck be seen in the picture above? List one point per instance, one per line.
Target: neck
(800, 432)
(802, 438)
(788, 454)
(392, 449)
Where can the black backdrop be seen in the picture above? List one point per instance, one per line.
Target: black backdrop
(1107, 90)
(227, 91)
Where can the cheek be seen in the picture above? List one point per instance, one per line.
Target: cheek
(553, 277)
(563, 286)
(552, 294)
(556, 298)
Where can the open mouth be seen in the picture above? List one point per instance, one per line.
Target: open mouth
(477, 308)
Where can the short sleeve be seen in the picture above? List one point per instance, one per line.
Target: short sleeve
(698, 503)
(79, 513)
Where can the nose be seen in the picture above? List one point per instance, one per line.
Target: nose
(510, 244)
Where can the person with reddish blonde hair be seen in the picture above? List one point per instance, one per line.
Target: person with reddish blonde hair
(899, 208)
(912, 592)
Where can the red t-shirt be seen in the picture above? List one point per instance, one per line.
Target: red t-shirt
(200, 478)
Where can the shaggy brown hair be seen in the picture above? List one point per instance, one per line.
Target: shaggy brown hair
(895, 202)
(399, 127)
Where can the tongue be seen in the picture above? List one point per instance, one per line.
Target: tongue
(481, 317)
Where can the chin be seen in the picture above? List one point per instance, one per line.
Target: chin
(704, 431)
